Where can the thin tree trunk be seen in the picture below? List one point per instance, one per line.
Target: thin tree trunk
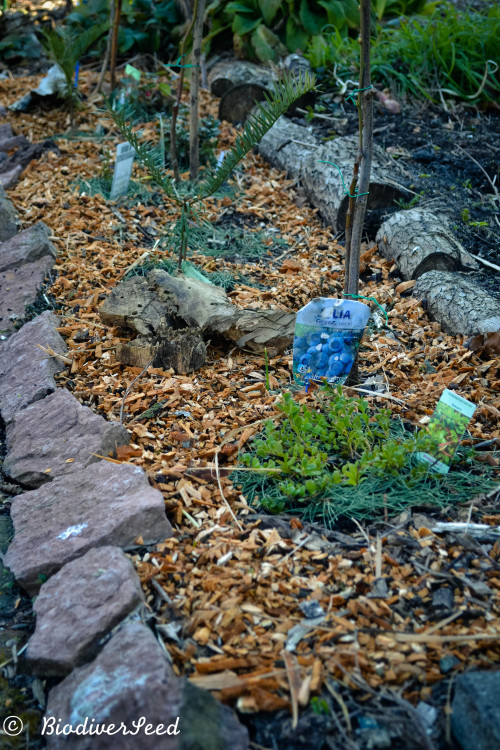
(365, 156)
(194, 150)
(114, 42)
(107, 54)
(175, 109)
(362, 168)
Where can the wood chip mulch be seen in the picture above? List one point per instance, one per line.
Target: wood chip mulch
(402, 606)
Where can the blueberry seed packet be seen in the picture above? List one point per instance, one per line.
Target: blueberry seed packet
(327, 336)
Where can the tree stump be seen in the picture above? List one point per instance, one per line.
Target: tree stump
(418, 241)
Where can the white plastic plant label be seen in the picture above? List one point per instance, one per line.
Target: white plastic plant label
(125, 154)
(327, 336)
(448, 424)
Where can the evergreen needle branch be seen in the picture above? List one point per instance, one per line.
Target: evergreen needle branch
(276, 104)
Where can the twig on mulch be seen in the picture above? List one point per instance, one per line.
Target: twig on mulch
(493, 186)
(48, 350)
(129, 387)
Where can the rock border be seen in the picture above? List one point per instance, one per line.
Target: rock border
(70, 529)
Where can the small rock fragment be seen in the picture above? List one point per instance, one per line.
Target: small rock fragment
(443, 598)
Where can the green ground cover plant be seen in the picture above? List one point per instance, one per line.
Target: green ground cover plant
(449, 52)
(343, 459)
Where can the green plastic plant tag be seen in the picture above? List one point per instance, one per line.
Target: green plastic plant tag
(327, 336)
(190, 270)
(123, 169)
(448, 424)
(133, 72)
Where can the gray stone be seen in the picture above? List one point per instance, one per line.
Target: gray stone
(443, 598)
(78, 606)
(448, 663)
(104, 504)
(29, 245)
(10, 176)
(26, 372)
(475, 720)
(66, 436)
(8, 217)
(5, 128)
(12, 142)
(20, 287)
(131, 678)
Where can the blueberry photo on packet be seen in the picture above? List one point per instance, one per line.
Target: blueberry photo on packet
(327, 336)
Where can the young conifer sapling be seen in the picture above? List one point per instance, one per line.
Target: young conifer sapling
(189, 197)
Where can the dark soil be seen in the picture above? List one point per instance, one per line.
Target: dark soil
(435, 149)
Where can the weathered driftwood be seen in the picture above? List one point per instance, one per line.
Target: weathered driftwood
(158, 308)
(193, 302)
(226, 74)
(460, 306)
(418, 241)
(294, 149)
(133, 306)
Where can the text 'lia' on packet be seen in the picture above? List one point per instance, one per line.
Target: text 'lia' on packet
(327, 336)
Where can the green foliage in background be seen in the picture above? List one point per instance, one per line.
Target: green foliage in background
(341, 458)
(449, 51)
(145, 25)
(269, 29)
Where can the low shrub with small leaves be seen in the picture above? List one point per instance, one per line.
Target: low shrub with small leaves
(342, 458)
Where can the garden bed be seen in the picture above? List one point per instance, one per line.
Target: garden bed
(224, 596)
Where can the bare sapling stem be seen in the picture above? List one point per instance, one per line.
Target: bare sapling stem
(114, 42)
(107, 53)
(364, 158)
(360, 183)
(175, 109)
(194, 115)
